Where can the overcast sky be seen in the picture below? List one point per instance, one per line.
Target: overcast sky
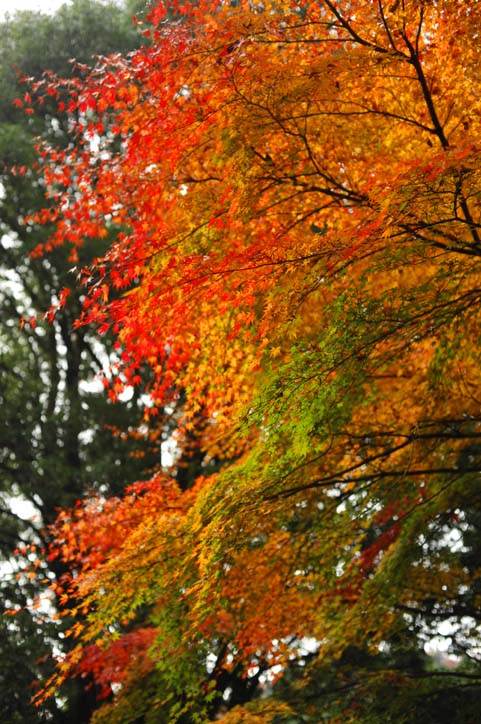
(9, 6)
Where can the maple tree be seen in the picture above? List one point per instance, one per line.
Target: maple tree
(294, 195)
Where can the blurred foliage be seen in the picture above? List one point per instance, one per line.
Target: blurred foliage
(58, 434)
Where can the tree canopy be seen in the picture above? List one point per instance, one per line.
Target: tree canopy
(290, 198)
(56, 427)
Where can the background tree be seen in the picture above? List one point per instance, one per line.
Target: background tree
(58, 434)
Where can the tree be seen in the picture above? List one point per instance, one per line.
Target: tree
(297, 191)
(57, 431)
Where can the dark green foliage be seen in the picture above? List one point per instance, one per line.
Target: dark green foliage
(56, 425)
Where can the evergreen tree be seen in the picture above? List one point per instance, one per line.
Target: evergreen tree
(57, 429)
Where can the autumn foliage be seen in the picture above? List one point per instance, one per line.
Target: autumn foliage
(294, 194)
